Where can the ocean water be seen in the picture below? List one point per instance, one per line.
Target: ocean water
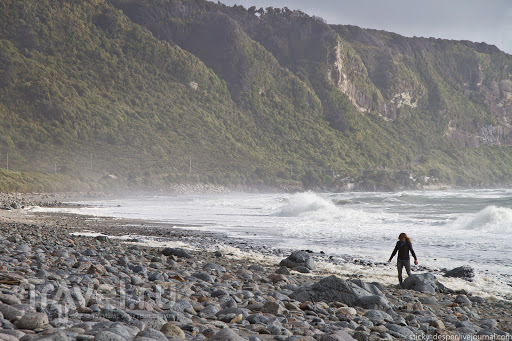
(447, 228)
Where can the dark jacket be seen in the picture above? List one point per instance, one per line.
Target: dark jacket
(403, 250)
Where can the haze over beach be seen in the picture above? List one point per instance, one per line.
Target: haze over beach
(198, 170)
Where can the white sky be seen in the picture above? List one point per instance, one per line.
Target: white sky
(488, 21)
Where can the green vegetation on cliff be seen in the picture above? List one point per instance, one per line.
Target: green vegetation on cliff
(160, 92)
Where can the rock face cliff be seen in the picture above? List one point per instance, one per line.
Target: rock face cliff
(465, 86)
(184, 90)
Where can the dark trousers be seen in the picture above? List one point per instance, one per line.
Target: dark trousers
(401, 263)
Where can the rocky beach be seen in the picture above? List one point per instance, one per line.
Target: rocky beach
(70, 277)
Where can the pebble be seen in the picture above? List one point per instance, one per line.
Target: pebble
(171, 330)
(9, 312)
(226, 334)
(153, 334)
(108, 336)
(33, 321)
(9, 299)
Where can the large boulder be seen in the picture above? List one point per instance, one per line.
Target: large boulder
(298, 258)
(464, 272)
(333, 288)
(425, 282)
(178, 252)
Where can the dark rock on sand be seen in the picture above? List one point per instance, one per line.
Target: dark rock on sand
(102, 238)
(302, 269)
(464, 272)
(178, 252)
(298, 258)
(257, 268)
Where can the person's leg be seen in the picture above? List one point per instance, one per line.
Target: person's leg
(399, 266)
(407, 264)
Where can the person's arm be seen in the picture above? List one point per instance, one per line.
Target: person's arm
(413, 253)
(394, 252)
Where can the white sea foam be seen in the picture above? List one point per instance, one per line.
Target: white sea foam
(303, 203)
(490, 219)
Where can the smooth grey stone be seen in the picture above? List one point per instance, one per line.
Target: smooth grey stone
(14, 332)
(14, 239)
(218, 293)
(378, 316)
(258, 268)
(153, 334)
(236, 311)
(58, 336)
(7, 337)
(488, 323)
(33, 321)
(226, 334)
(216, 267)
(42, 273)
(9, 312)
(178, 252)
(463, 300)
(373, 302)
(227, 317)
(136, 280)
(283, 271)
(182, 305)
(115, 315)
(124, 261)
(302, 269)
(204, 277)
(9, 299)
(139, 269)
(85, 337)
(396, 329)
(257, 318)
(23, 248)
(155, 276)
(90, 253)
(467, 327)
(106, 335)
(273, 308)
(209, 312)
(154, 323)
(229, 303)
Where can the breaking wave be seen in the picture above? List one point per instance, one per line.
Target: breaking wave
(490, 219)
(302, 203)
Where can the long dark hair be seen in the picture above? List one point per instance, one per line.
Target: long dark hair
(403, 235)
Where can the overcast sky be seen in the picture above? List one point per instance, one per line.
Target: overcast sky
(487, 21)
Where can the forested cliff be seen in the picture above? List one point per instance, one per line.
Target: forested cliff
(158, 92)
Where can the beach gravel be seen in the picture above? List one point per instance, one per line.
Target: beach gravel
(57, 285)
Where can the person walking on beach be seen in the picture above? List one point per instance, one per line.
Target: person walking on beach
(403, 247)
